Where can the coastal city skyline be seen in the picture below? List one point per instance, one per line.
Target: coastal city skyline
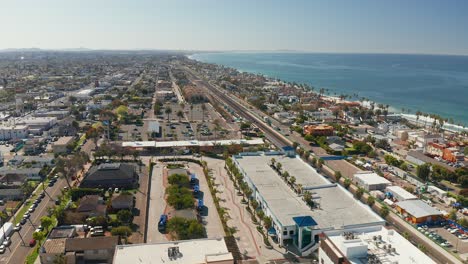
(407, 27)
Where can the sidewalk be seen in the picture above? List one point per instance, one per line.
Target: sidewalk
(249, 240)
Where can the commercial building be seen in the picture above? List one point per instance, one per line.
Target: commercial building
(37, 125)
(369, 245)
(319, 130)
(371, 181)
(417, 211)
(61, 145)
(13, 132)
(111, 175)
(295, 223)
(400, 194)
(197, 251)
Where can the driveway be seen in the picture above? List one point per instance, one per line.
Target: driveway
(157, 205)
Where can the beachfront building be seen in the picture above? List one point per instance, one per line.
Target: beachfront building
(295, 224)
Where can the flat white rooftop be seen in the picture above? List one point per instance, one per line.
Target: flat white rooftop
(191, 252)
(404, 194)
(405, 252)
(337, 209)
(371, 178)
(190, 143)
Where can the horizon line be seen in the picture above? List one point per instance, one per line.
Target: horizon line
(83, 49)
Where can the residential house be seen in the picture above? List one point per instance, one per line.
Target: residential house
(123, 201)
(11, 194)
(61, 145)
(29, 173)
(92, 206)
(91, 249)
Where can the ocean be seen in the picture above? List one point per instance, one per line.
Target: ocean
(429, 83)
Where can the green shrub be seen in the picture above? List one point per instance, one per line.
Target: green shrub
(183, 228)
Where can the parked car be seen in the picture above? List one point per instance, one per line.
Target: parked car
(2, 249)
(6, 242)
(162, 222)
(17, 227)
(23, 221)
(97, 233)
(32, 243)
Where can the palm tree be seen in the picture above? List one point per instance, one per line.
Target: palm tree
(308, 198)
(180, 114)
(285, 175)
(273, 162)
(203, 108)
(299, 188)
(168, 111)
(292, 181)
(191, 112)
(279, 166)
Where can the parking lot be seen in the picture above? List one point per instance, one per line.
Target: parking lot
(209, 216)
(195, 124)
(447, 238)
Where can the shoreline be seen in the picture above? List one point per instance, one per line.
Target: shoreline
(392, 109)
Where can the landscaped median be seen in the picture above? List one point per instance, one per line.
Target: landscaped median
(48, 222)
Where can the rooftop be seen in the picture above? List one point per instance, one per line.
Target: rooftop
(418, 208)
(336, 207)
(91, 243)
(189, 143)
(371, 178)
(191, 251)
(360, 247)
(401, 192)
(54, 246)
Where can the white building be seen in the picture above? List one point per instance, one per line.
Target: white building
(321, 114)
(294, 223)
(13, 132)
(369, 245)
(371, 181)
(400, 194)
(196, 251)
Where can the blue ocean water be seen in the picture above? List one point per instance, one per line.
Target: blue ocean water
(429, 83)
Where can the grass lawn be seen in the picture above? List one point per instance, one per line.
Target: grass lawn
(112, 216)
(97, 125)
(31, 258)
(80, 142)
(27, 204)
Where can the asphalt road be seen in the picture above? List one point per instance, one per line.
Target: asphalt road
(18, 252)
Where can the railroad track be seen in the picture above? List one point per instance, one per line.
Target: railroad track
(272, 135)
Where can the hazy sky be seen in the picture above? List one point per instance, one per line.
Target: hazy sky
(396, 26)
